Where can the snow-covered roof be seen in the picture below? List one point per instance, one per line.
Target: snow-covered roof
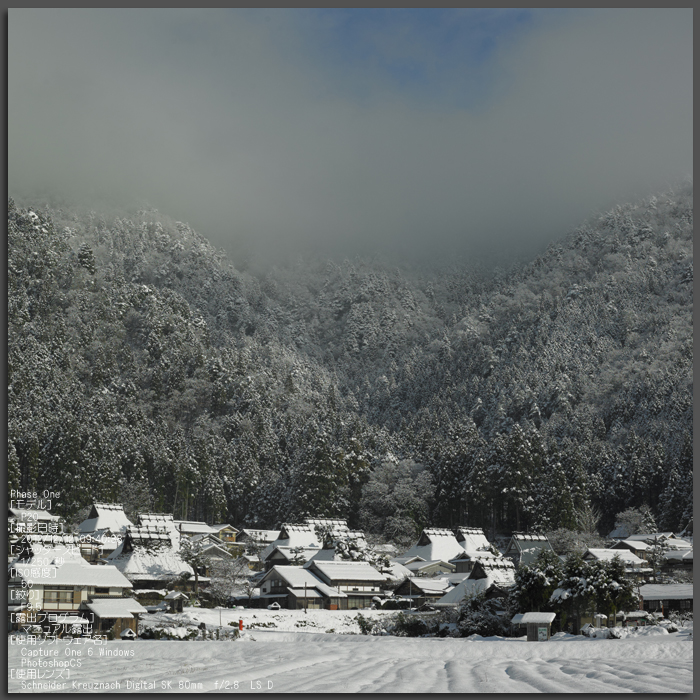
(621, 532)
(290, 553)
(467, 587)
(72, 572)
(296, 577)
(435, 544)
(499, 571)
(336, 525)
(420, 565)
(152, 536)
(517, 619)
(527, 537)
(218, 527)
(216, 550)
(645, 537)
(292, 535)
(176, 595)
(528, 546)
(261, 536)
(346, 570)
(115, 607)
(667, 591)
(194, 527)
(430, 585)
(635, 614)
(683, 555)
(156, 520)
(305, 592)
(144, 565)
(324, 555)
(636, 544)
(630, 558)
(471, 538)
(468, 555)
(206, 537)
(456, 578)
(407, 559)
(397, 572)
(538, 618)
(106, 516)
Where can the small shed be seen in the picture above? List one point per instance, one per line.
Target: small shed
(539, 625)
(175, 600)
(636, 617)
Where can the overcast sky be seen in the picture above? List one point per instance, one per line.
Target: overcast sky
(353, 131)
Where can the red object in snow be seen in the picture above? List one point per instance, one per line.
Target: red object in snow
(240, 625)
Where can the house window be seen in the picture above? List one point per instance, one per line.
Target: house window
(685, 605)
(58, 595)
(101, 591)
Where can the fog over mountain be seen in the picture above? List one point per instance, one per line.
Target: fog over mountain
(411, 133)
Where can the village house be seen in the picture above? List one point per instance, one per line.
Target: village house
(635, 567)
(106, 522)
(667, 597)
(160, 520)
(257, 538)
(525, 548)
(430, 568)
(296, 588)
(637, 547)
(434, 544)
(292, 536)
(188, 528)
(464, 562)
(227, 534)
(472, 539)
(212, 551)
(492, 577)
(358, 580)
(207, 539)
(422, 590)
(61, 586)
(175, 600)
(149, 558)
(289, 556)
(678, 557)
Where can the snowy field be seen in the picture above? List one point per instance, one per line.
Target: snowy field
(289, 659)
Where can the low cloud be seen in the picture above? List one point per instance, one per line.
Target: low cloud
(231, 120)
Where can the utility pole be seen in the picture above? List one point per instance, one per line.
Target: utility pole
(306, 603)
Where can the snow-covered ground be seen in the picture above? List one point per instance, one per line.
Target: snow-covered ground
(290, 658)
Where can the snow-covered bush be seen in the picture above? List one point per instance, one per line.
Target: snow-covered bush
(480, 615)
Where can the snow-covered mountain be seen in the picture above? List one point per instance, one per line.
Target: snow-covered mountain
(141, 359)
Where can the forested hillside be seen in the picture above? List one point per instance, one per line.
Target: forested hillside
(141, 360)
